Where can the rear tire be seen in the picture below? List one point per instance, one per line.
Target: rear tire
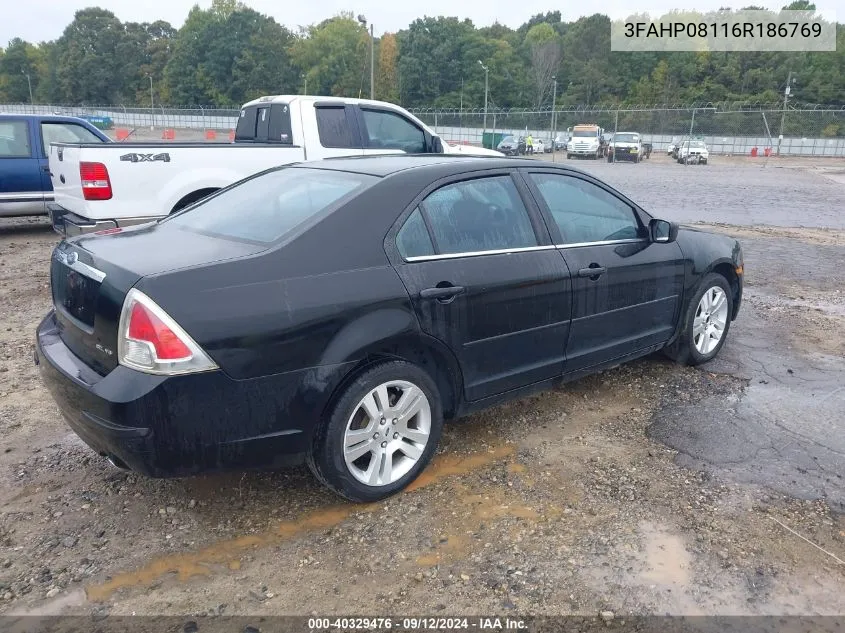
(366, 449)
(702, 321)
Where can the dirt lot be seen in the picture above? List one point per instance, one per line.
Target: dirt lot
(650, 488)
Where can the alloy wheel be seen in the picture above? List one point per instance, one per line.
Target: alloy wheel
(711, 317)
(387, 433)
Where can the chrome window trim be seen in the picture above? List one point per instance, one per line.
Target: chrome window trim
(81, 267)
(601, 243)
(498, 251)
(524, 249)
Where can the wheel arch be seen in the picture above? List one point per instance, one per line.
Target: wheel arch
(419, 349)
(727, 270)
(192, 197)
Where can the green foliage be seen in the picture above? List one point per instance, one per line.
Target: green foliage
(20, 64)
(229, 53)
(335, 56)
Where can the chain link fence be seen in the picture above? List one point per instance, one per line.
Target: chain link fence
(726, 128)
(143, 124)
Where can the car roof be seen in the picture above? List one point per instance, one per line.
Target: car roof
(387, 164)
(8, 116)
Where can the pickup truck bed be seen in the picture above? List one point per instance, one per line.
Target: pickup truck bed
(142, 179)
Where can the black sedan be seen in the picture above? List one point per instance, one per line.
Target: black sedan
(341, 310)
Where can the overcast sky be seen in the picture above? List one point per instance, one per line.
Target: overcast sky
(38, 20)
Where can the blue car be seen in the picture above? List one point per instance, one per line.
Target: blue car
(25, 186)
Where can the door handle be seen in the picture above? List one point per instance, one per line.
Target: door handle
(46, 168)
(593, 272)
(445, 292)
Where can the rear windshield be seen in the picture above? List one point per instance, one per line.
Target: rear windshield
(267, 207)
(265, 123)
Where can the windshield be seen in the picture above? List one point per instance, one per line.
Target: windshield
(696, 144)
(266, 207)
(626, 138)
(507, 139)
(585, 134)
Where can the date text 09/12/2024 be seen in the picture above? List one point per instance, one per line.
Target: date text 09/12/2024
(338, 625)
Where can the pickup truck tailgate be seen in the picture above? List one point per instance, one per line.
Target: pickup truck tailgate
(64, 172)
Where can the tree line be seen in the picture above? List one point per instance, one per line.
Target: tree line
(230, 53)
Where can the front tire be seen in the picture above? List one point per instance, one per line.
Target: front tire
(707, 319)
(380, 433)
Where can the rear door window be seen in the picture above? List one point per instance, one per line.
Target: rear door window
(266, 208)
(478, 215)
(14, 140)
(334, 128)
(389, 130)
(413, 239)
(55, 132)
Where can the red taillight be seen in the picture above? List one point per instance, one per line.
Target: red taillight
(151, 341)
(95, 181)
(146, 326)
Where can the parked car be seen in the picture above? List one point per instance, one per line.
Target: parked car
(560, 142)
(539, 146)
(693, 152)
(672, 148)
(341, 310)
(625, 146)
(106, 186)
(25, 186)
(509, 146)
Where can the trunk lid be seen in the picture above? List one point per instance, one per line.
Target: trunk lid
(91, 274)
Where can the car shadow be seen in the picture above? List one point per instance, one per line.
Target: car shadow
(24, 226)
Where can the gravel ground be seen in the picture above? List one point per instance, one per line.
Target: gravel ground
(632, 492)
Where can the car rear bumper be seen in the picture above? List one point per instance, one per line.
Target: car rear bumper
(174, 426)
(68, 224)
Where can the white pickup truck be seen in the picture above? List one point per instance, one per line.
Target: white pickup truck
(100, 186)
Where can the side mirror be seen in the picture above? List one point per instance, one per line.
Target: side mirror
(663, 231)
(436, 145)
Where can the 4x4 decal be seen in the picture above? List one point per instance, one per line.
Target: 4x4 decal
(145, 158)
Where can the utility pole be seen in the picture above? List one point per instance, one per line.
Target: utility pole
(305, 89)
(372, 63)
(786, 92)
(461, 112)
(152, 116)
(554, 114)
(363, 21)
(486, 90)
(29, 83)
